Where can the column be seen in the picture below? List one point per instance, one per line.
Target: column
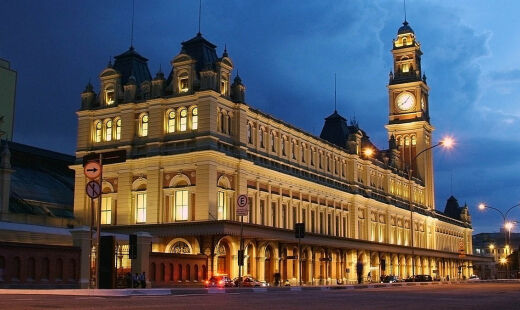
(81, 239)
(144, 248)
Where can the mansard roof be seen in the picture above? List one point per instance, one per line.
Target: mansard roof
(335, 130)
(131, 63)
(202, 51)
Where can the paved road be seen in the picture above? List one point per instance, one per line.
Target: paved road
(439, 297)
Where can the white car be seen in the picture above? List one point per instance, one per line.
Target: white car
(473, 278)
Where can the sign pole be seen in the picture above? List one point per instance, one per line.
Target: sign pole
(98, 241)
(91, 242)
(241, 256)
(299, 261)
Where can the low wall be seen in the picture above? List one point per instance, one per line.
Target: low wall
(172, 270)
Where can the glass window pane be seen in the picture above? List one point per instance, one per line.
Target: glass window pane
(141, 208)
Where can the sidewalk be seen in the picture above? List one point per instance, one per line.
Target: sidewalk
(201, 291)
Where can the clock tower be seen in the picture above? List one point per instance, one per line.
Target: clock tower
(408, 119)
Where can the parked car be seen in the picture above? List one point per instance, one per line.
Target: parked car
(420, 278)
(474, 278)
(390, 279)
(219, 281)
(249, 282)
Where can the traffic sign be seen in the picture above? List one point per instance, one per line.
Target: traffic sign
(93, 189)
(92, 170)
(242, 206)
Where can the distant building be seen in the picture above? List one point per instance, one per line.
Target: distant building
(7, 99)
(495, 245)
(36, 185)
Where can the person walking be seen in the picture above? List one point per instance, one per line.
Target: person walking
(142, 279)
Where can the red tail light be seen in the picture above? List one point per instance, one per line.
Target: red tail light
(207, 282)
(221, 282)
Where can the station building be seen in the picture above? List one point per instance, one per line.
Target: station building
(194, 143)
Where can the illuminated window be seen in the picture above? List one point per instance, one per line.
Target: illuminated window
(110, 96)
(194, 118)
(118, 129)
(405, 41)
(405, 68)
(221, 205)
(181, 205)
(106, 210)
(108, 130)
(414, 140)
(223, 86)
(143, 128)
(98, 127)
(183, 122)
(171, 121)
(407, 141)
(140, 207)
(183, 83)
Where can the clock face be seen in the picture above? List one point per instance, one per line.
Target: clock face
(405, 101)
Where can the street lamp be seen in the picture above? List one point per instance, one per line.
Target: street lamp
(446, 143)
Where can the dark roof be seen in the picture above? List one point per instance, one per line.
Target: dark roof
(202, 51)
(335, 130)
(452, 208)
(41, 182)
(130, 63)
(405, 28)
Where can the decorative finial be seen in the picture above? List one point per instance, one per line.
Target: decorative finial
(225, 51)
(109, 62)
(404, 7)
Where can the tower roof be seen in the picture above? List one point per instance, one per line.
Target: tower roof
(452, 208)
(200, 50)
(129, 64)
(335, 130)
(405, 28)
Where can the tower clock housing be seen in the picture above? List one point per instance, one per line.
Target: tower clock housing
(408, 119)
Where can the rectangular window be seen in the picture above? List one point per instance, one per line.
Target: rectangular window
(262, 212)
(183, 125)
(273, 214)
(221, 206)
(171, 125)
(337, 226)
(322, 223)
(140, 207)
(181, 205)
(118, 129)
(106, 210)
(304, 216)
(284, 216)
(194, 122)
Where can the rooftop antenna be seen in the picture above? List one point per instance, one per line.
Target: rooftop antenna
(335, 92)
(132, 33)
(200, 10)
(451, 183)
(404, 7)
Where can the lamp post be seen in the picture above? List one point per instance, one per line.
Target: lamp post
(446, 143)
(508, 225)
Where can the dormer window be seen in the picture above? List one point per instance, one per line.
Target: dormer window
(110, 96)
(405, 41)
(223, 86)
(183, 83)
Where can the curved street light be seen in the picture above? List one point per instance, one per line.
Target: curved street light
(508, 225)
(446, 143)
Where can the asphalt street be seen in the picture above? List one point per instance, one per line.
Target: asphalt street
(464, 296)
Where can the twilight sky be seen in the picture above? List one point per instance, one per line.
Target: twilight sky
(287, 53)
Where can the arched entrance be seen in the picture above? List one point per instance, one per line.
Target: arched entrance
(223, 254)
(268, 264)
(284, 265)
(305, 266)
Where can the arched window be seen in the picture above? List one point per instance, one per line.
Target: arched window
(143, 125)
(31, 268)
(17, 268)
(106, 210)
(118, 129)
(98, 131)
(195, 118)
(273, 146)
(171, 121)
(183, 122)
(45, 269)
(249, 133)
(59, 269)
(108, 130)
(196, 272)
(180, 247)
(261, 134)
(223, 86)
(110, 95)
(229, 123)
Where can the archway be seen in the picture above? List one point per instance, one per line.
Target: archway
(268, 264)
(284, 265)
(223, 254)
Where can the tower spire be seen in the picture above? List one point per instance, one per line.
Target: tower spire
(335, 110)
(404, 7)
(200, 10)
(132, 32)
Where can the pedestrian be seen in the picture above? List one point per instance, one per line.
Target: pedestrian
(369, 277)
(447, 277)
(142, 279)
(136, 280)
(359, 270)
